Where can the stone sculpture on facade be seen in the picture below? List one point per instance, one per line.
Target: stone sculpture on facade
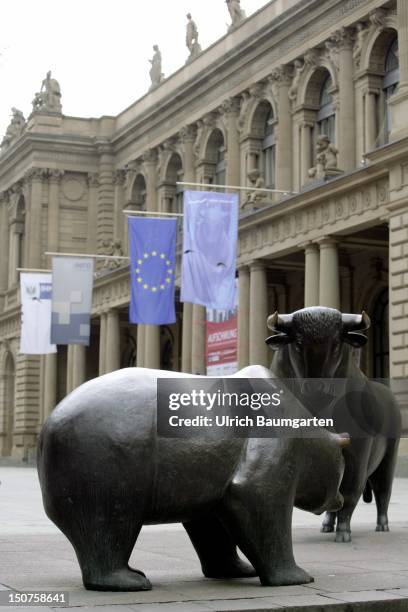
(255, 198)
(236, 12)
(192, 38)
(320, 343)
(48, 99)
(113, 248)
(14, 129)
(104, 470)
(156, 75)
(326, 160)
(299, 67)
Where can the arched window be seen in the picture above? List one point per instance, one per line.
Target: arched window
(220, 167)
(269, 151)
(139, 193)
(326, 116)
(390, 83)
(381, 351)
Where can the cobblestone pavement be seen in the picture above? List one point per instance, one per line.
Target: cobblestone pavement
(372, 570)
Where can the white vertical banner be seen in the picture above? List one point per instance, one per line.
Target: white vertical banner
(36, 291)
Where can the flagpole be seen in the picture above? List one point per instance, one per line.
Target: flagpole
(238, 188)
(145, 212)
(86, 255)
(32, 270)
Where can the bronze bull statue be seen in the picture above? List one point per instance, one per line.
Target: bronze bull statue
(104, 473)
(320, 343)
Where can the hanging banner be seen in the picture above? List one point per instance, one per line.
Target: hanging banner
(222, 340)
(153, 265)
(210, 234)
(72, 282)
(36, 314)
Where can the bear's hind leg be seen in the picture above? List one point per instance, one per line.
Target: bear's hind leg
(103, 527)
(216, 549)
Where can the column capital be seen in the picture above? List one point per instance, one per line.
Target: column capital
(55, 175)
(119, 176)
(36, 175)
(327, 241)
(188, 134)
(92, 179)
(309, 246)
(282, 75)
(257, 264)
(342, 39)
(231, 106)
(243, 269)
(150, 157)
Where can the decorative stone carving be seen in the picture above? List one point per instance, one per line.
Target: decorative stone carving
(36, 174)
(48, 99)
(93, 179)
(255, 198)
(361, 35)
(73, 189)
(311, 58)
(119, 176)
(188, 133)
(113, 248)
(326, 160)
(55, 175)
(192, 38)
(150, 156)
(245, 100)
(378, 18)
(231, 106)
(236, 12)
(298, 68)
(156, 75)
(15, 128)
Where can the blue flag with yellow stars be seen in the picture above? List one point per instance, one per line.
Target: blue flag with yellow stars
(153, 266)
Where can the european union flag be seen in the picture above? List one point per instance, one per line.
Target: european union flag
(153, 266)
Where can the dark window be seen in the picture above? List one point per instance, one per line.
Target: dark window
(390, 84)
(269, 152)
(326, 116)
(381, 351)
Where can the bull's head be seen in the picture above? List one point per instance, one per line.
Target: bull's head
(316, 339)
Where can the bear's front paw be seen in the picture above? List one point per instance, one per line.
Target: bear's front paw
(343, 536)
(286, 576)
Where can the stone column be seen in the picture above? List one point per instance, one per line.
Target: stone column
(198, 362)
(102, 343)
(79, 366)
(152, 347)
(370, 120)
(4, 248)
(119, 219)
(16, 229)
(34, 218)
(306, 149)
(70, 367)
(112, 341)
(93, 185)
(243, 316)
(53, 209)
(312, 273)
(344, 41)
(282, 77)
(329, 284)
(258, 314)
(152, 332)
(399, 101)
(186, 341)
(50, 384)
(105, 215)
(231, 109)
(188, 136)
(140, 350)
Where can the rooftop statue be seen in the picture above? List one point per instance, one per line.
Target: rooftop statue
(14, 129)
(192, 38)
(236, 12)
(156, 75)
(49, 96)
(326, 160)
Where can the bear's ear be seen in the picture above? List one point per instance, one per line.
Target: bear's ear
(355, 339)
(278, 340)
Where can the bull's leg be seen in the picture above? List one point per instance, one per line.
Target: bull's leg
(328, 522)
(381, 482)
(260, 522)
(343, 529)
(216, 549)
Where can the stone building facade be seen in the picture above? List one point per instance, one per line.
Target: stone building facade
(251, 105)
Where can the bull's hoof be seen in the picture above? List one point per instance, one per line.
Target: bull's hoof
(237, 569)
(124, 579)
(343, 536)
(327, 529)
(287, 577)
(382, 528)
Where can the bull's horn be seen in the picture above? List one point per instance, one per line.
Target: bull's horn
(353, 322)
(277, 322)
(343, 439)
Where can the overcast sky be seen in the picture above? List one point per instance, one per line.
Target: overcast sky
(97, 50)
